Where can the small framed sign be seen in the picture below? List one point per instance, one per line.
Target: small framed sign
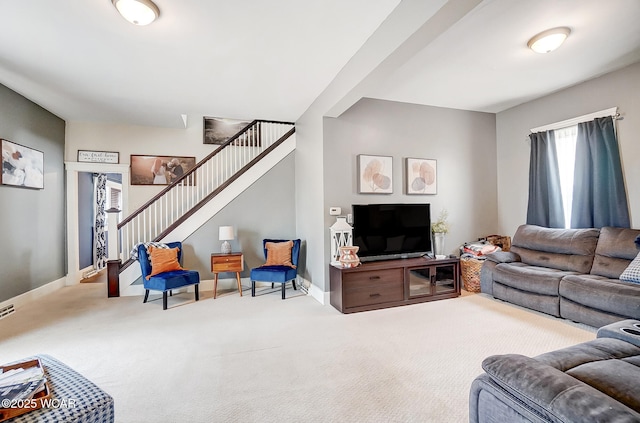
(88, 156)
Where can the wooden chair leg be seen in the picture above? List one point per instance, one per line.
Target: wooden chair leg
(253, 288)
(170, 293)
(164, 300)
(272, 285)
(293, 281)
(197, 293)
(284, 286)
(146, 295)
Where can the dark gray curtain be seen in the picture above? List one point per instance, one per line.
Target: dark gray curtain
(599, 195)
(545, 198)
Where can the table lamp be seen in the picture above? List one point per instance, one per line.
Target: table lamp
(225, 233)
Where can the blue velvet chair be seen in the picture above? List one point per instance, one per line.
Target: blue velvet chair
(166, 281)
(277, 274)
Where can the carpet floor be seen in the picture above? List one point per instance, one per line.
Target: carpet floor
(244, 359)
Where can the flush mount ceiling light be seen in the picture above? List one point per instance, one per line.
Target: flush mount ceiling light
(138, 12)
(549, 40)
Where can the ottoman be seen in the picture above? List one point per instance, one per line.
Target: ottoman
(74, 398)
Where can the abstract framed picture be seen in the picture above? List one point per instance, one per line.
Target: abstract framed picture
(160, 170)
(22, 166)
(219, 130)
(421, 176)
(375, 174)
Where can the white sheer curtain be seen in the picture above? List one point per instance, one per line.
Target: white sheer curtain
(566, 150)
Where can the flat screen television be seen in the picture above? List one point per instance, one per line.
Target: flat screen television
(388, 231)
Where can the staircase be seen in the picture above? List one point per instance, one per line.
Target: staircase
(187, 203)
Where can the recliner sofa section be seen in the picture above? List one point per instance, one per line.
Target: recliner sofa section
(568, 273)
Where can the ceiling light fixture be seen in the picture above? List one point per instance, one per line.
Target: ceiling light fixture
(138, 12)
(549, 40)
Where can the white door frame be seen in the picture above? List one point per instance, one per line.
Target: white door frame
(73, 246)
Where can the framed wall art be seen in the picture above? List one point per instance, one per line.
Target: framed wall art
(421, 176)
(88, 156)
(160, 170)
(22, 166)
(375, 174)
(219, 130)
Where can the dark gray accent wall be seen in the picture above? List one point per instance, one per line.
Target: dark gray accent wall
(32, 222)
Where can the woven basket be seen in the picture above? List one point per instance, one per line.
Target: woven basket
(470, 269)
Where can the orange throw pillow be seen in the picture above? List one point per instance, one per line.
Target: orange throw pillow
(163, 260)
(279, 254)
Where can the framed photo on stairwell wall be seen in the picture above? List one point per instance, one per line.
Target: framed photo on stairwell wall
(160, 170)
(218, 131)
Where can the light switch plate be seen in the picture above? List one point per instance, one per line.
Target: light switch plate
(335, 211)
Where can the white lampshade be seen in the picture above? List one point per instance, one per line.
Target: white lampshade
(549, 40)
(225, 233)
(138, 12)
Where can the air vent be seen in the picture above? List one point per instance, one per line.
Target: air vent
(5, 311)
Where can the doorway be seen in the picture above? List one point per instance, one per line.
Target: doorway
(74, 172)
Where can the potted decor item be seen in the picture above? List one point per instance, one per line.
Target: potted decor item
(348, 256)
(439, 228)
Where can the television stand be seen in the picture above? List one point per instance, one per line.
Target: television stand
(391, 283)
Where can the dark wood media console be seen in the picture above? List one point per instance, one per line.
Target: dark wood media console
(391, 283)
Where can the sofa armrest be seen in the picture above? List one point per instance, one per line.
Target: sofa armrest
(548, 388)
(625, 330)
(503, 257)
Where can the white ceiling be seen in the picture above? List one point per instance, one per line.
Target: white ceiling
(255, 59)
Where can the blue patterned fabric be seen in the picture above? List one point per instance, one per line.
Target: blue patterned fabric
(632, 272)
(79, 400)
(99, 238)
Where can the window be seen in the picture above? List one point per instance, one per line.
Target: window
(566, 150)
(575, 174)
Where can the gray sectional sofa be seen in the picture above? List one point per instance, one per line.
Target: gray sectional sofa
(596, 381)
(568, 273)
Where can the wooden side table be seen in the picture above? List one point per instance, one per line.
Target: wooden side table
(223, 262)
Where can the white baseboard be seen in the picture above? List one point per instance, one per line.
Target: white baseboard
(34, 294)
(319, 295)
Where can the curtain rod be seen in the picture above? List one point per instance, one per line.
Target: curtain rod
(613, 112)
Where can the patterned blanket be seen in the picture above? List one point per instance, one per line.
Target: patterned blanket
(134, 252)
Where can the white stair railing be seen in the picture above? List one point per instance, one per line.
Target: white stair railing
(159, 216)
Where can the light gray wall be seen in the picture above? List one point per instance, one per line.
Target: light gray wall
(265, 210)
(620, 88)
(462, 142)
(32, 251)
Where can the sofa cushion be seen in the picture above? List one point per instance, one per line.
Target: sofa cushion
(541, 280)
(616, 248)
(564, 249)
(598, 292)
(609, 365)
(565, 397)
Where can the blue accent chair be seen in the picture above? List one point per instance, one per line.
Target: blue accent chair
(277, 274)
(166, 281)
